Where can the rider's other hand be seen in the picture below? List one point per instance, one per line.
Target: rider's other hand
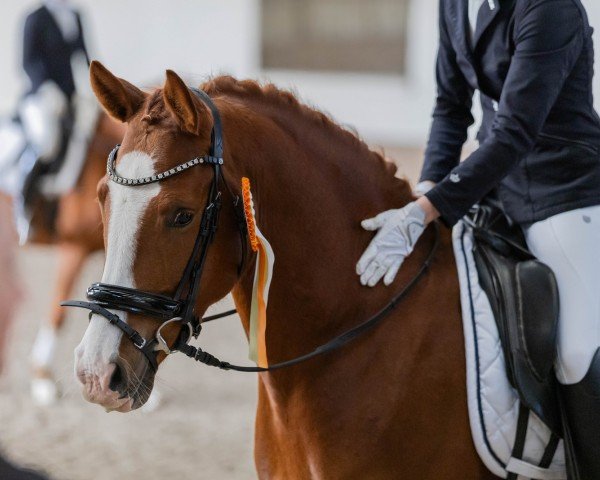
(398, 232)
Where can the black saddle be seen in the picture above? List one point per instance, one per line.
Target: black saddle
(524, 298)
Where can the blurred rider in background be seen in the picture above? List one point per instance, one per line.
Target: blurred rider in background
(56, 120)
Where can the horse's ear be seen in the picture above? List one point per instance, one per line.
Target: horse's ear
(180, 102)
(120, 99)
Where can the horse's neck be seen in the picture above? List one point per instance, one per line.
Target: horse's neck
(388, 392)
(311, 191)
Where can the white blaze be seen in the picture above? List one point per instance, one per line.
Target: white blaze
(126, 210)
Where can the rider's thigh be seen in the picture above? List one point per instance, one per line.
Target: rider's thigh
(569, 243)
(41, 113)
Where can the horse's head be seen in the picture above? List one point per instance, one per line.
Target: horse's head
(150, 232)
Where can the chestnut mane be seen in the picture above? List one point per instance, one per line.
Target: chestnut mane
(285, 108)
(268, 93)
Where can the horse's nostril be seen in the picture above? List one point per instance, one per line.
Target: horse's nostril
(118, 382)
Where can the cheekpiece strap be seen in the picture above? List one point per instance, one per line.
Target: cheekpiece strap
(216, 147)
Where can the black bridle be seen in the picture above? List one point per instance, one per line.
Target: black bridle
(181, 307)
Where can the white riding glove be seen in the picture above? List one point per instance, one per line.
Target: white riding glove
(398, 233)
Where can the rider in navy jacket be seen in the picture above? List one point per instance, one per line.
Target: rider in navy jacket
(539, 149)
(539, 153)
(540, 137)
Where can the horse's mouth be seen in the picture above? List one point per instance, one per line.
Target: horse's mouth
(111, 401)
(136, 395)
(135, 398)
(124, 400)
(122, 405)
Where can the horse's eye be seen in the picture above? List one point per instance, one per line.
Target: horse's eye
(183, 218)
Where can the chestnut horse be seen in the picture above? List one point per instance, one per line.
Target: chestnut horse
(392, 404)
(77, 232)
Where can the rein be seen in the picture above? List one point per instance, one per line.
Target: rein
(181, 307)
(204, 357)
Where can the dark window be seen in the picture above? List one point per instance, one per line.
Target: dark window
(347, 35)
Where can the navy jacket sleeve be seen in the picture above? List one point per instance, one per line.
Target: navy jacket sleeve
(548, 40)
(452, 114)
(33, 51)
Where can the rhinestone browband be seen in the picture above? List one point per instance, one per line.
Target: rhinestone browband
(112, 158)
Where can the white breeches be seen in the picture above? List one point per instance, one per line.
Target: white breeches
(86, 118)
(41, 113)
(569, 243)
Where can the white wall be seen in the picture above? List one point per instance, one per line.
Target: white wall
(139, 39)
(385, 109)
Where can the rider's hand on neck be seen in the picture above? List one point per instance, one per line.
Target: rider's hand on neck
(397, 233)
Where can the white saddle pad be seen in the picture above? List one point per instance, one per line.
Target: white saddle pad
(493, 403)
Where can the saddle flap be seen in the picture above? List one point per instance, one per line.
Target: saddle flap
(538, 316)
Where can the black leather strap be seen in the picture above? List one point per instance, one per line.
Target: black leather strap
(520, 437)
(133, 300)
(210, 318)
(147, 348)
(216, 148)
(550, 451)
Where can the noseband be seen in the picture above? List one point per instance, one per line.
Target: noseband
(181, 307)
